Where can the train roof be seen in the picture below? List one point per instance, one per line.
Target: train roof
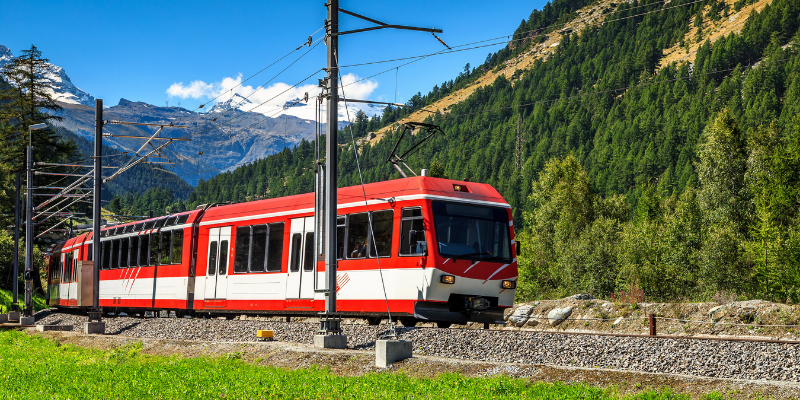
(353, 196)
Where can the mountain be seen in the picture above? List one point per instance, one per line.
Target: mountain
(61, 87)
(236, 102)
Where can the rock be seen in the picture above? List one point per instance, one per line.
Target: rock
(747, 315)
(521, 315)
(558, 315)
(582, 296)
(717, 313)
(615, 323)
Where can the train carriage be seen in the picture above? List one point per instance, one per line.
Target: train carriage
(439, 250)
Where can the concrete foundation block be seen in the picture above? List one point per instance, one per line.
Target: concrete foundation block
(48, 328)
(330, 341)
(13, 316)
(389, 351)
(91, 328)
(27, 320)
(3, 318)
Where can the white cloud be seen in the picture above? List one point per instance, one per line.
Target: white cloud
(271, 99)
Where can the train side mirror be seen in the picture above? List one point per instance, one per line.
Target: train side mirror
(519, 248)
(417, 243)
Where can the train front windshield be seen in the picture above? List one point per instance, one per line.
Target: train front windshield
(474, 232)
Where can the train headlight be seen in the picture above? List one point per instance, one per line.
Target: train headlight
(509, 284)
(448, 279)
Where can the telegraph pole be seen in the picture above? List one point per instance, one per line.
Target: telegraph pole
(330, 334)
(95, 323)
(14, 304)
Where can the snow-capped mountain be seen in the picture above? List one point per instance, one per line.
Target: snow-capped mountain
(62, 89)
(236, 102)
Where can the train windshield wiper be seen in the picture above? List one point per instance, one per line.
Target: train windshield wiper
(479, 254)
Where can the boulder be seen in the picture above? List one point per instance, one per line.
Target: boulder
(617, 321)
(747, 315)
(521, 314)
(717, 313)
(558, 315)
(582, 296)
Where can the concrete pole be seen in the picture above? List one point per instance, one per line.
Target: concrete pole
(96, 205)
(16, 241)
(28, 311)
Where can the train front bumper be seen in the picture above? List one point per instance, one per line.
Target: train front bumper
(442, 312)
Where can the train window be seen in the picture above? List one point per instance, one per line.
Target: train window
(411, 220)
(138, 227)
(75, 269)
(155, 241)
(212, 258)
(144, 250)
(129, 228)
(308, 257)
(149, 224)
(464, 230)
(124, 253)
(165, 247)
(90, 254)
(275, 247)
(340, 231)
(159, 223)
(242, 250)
(223, 257)
(106, 255)
(68, 269)
(357, 226)
(182, 219)
(134, 251)
(170, 221)
(115, 253)
(177, 247)
(382, 222)
(297, 238)
(258, 248)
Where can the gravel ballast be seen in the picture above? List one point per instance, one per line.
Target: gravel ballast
(708, 358)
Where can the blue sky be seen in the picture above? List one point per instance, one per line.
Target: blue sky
(138, 50)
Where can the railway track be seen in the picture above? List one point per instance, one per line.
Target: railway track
(737, 359)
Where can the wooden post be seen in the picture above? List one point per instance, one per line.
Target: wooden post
(652, 325)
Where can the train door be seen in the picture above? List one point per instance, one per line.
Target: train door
(300, 284)
(217, 268)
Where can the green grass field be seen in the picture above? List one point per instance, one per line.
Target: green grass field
(34, 367)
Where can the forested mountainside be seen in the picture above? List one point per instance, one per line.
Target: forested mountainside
(679, 180)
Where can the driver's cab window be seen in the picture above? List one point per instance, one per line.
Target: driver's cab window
(412, 224)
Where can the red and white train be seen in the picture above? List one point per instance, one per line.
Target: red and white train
(443, 251)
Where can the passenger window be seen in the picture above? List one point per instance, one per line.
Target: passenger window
(182, 219)
(340, 232)
(123, 254)
(115, 253)
(106, 256)
(296, 241)
(242, 250)
(275, 247)
(134, 251)
(382, 226)
(411, 220)
(308, 257)
(177, 246)
(165, 247)
(144, 250)
(258, 250)
(155, 248)
(212, 258)
(357, 229)
(170, 221)
(223, 257)
(160, 223)
(90, 254)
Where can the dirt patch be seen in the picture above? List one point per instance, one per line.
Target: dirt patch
(356, 362)
(752, 318)
(710, 30)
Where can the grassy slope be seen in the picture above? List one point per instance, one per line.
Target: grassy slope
(6, 296)
(34, 367)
